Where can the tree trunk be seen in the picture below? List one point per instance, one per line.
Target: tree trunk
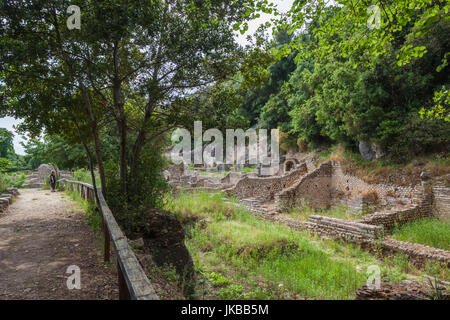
(91, 161)
(122, 126)
(121, 120)
(95, 134)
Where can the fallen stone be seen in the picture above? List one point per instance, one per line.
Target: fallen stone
(412, 290)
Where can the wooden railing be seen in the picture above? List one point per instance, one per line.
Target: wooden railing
(133, 282)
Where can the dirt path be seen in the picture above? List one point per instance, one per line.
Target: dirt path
(41, 235)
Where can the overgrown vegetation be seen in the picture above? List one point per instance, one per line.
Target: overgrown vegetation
(239, 256)
(15, 180)
(90, 209)
(431, 232)
(325, 79)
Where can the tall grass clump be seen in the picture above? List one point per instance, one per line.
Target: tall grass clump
(15, 180)
(91, 211)
(431, 232)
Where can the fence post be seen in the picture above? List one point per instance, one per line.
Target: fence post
(124, 294)
(106, 246)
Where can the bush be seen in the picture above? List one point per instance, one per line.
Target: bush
(144, 191)
(15, 180)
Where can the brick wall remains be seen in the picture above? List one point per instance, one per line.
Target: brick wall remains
(265, 188)
(441, 193)
(389, 219)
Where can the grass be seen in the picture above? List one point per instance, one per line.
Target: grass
(431, 232)
(339, 212)
(256, 259)
(84, 175)
(92, 214)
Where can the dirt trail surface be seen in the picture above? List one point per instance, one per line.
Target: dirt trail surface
(41, 235)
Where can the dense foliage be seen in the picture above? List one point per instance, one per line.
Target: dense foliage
(350, 83)
(124, 80)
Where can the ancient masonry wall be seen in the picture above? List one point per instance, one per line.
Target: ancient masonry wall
(355, 185)
(329, 185)
(265, 188)
(320, 187)
(441, 203)
(392, 218)
(313, 188)
(233, 177)
(418, 253)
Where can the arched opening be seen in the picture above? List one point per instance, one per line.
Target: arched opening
(288, 166)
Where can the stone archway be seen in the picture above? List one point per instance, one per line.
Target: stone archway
(289, 165)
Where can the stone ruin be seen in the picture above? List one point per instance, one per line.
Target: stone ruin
(40, 176)
(6, 198)
(381, 206)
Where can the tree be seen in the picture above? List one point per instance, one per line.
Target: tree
(6, 143)
(344, 29)
(132, 64)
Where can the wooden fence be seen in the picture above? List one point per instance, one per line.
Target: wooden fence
(133, 282)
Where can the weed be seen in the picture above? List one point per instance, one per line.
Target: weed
(216, 279)
(233, 292)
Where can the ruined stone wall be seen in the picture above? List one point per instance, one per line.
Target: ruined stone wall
(355, 185)
(348, 226)
(313, 188)
(362, 234)
(419, 254)
(389, 219)
(441, 206)
(233, 177)
(265, 188)
(175, 171)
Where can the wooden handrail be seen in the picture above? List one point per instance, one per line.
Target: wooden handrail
(133, 282)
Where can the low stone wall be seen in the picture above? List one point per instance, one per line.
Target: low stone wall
(441, 193)
(369, 237)
(419, 254)
(6, 198)
(233, 177)
(390, 219)
(365, 230)
(265, 188)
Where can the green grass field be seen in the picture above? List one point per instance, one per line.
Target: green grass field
(431, 232)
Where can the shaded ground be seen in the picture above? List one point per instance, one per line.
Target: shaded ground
(41, 235)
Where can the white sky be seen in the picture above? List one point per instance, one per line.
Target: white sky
(283, 6)
(8, 123)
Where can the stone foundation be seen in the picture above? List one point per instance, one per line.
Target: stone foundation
(265, 188)
(398, 217)
(441, 205)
